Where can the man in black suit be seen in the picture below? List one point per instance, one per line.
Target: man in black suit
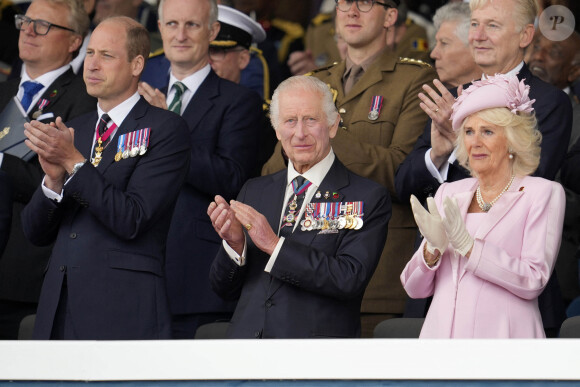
(50, 33)
(315, 231)
(106, 200)
(5, 208)
(498, 36)
(224, 122)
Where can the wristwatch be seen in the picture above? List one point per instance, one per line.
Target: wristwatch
(76, 167)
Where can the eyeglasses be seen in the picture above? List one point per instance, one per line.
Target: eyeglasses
(41, 27)
(219, 53)
(362, 5)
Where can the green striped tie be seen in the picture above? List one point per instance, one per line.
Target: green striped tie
(175, 105)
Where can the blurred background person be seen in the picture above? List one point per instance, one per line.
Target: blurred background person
(323, 44)
(453, 60)
(229, 55)
(556, 62)
(491, 241)
(51, 33)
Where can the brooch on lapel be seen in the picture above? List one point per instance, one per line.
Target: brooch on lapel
(376, 106)
(132, 144)
(329, 217)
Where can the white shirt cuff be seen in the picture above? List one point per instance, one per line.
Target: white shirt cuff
(51, 194)
(439, 174)
(240, 260)
(274, 255)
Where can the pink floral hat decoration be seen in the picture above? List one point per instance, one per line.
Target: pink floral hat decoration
(492, 92)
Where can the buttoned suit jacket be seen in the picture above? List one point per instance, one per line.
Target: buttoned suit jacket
(22, 265)
(374, 149)
(554, 114)
(224, 121)
(317, 283)
(110, 231)
(514, 252)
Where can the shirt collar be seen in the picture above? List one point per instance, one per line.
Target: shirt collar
(47, 78)
(513, 71)
(193, 81)
(120, 112)
(316, 173)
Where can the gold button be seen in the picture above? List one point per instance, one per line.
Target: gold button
(342, 110)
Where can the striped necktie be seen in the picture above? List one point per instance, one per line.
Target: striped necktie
(175, 105)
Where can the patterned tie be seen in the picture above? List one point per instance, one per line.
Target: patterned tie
(103, 123)
(175, 105)
(30, 90)
(300, 186)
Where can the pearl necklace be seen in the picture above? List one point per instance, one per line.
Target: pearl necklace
(485, 207)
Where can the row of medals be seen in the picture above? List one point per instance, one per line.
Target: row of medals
(344, 221)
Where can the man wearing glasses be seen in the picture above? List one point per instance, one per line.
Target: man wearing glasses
(376, 96)
(51, 34)
(224, 121)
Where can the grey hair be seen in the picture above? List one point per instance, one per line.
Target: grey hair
(525, 11)
(455, 12)
(307, 84)
(77, 18)
(213, 11)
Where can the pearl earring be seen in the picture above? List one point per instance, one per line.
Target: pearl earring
(511, 156)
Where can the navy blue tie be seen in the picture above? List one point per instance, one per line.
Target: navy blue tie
(30, 90)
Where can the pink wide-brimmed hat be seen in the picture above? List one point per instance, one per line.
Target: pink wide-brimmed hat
(492, 92)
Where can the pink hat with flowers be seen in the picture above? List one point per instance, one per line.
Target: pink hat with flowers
(492, 92)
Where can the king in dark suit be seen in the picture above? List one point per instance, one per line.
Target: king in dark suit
(314, 232)
(106, 200)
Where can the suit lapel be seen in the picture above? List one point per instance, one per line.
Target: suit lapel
(54, 92)
(492, 218)
(334, 181)
(130, 123)
(200, 104)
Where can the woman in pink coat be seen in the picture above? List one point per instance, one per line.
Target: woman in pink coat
(490, 253)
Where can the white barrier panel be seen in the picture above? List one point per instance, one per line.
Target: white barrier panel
(362, 359)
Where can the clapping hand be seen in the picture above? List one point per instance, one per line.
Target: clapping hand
(430, 224)
(455, 228)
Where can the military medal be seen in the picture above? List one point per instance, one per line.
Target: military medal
(99, 148)
(376, 106)
(98, 153)
(120, 147)
(318, 195)
(40, 105)
(326, 195)
(145, 142)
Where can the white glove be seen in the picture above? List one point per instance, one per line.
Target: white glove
(454, 225)
(430, 225)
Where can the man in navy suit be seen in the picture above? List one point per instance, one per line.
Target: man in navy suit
(225, 123)
(106, 200)
(497, 39)
(47, 54)
(315, 231)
